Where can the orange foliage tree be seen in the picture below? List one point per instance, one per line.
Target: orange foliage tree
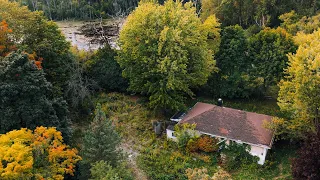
(6, 45)
(207, 143)
(35, 155)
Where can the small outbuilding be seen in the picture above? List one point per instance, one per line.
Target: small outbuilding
(229, 125)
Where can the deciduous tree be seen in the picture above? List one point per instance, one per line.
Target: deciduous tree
(6, 44)
(164, 52)
(40, 154)
(233, 79)
(268, 53)
(299, 95)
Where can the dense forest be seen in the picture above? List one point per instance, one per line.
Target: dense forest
(67, 113)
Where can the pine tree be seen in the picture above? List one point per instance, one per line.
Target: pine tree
(101, 140)
(27, 99)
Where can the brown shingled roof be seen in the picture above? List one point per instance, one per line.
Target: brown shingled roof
(230, 123)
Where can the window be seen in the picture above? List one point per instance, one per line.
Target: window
(173, 134)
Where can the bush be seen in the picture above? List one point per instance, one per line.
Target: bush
(197, 174)
(208, 144)
(101, 170)
(192, 145)
(185, 133)
(236, 155)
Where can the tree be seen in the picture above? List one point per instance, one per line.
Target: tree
(103, 171)
(101, 140)
(6, 44)
(27, 98)
(40, 154)
(299, 95)
(306, 165)
(294, 23)
(232, 80)
(208, 144)
(268, 53)
(105, 70)
(33, 33)
(164, 52)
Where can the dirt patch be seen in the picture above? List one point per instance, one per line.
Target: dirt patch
(132, 155)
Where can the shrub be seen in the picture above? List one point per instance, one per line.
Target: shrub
(185, 133)
(192, 145)
(236, 155)
(197, 174)
(221, 175)
(208, 144)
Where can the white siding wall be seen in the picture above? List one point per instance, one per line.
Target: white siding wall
(260, 152)
(170, 135)
(255, 150)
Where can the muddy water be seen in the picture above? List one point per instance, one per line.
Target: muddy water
(88, 35)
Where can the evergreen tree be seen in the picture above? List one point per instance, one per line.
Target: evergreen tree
(101, 140)
(27, 99)
(105, 70)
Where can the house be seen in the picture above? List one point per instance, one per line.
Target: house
(229, 125)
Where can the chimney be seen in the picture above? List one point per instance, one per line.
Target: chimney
(220, 102)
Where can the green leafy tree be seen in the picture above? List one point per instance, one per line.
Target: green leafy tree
(164, 52)
(105, 70)
(232, 80)
(268, 53)
(299, 95)
(101, 141)
(294, 23)
(27, 98)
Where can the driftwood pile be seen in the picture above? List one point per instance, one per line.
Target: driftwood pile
(98, 32)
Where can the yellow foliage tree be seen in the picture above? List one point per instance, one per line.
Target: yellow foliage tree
(166, 50)
(40, 154)
(299, 95)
